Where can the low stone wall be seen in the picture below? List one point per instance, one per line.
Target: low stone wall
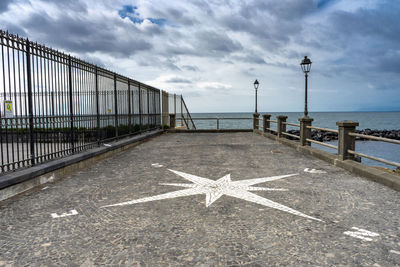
(378, 175)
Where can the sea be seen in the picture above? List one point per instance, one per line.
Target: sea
(366, 120)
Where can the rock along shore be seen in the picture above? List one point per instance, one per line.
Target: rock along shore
(323, 136)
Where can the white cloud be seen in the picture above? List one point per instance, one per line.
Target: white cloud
(212, 48)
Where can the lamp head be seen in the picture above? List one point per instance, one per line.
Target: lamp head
(256, 83)
(306, 64)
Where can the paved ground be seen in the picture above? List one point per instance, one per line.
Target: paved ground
(215, 221)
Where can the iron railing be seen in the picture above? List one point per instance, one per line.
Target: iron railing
(346, 139)
(178, 107)
(217, 120)
(55, 105)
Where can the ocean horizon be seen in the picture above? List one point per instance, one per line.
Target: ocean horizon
(379, 120)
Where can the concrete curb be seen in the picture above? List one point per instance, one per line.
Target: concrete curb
(363, 170)
(23, 180)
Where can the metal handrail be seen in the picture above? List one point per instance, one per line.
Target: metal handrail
(291, 124)
(374, 158)
(383, 139)
(323, 129)
(291, 135)
(221, 118)
(321, 143)
(272, 121)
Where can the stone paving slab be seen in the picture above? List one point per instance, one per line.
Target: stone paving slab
(352, 221)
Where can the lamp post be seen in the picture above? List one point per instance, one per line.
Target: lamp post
(306, 66)
(256, 83)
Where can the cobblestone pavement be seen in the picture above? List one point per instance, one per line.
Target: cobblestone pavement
(66, 223)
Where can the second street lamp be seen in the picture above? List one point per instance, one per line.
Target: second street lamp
(306, 66)
(256, 83)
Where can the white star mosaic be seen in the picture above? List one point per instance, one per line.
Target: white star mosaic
(223, 186)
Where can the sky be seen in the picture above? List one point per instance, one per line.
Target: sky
(211, 51)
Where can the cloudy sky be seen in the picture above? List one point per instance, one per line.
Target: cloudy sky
(211, 51)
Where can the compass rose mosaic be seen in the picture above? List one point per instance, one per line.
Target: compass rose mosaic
(214, 189)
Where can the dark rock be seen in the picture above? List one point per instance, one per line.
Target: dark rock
(323, 136)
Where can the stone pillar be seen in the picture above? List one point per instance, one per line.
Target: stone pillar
(255, 121)
(172, 120)
(345, 141)
(304, 131)
(281, 127)
(266, 123)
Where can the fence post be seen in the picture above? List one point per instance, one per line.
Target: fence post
(116, 105)
(71, 107)
(140, 108)
(174, 103)
(345, 141)
(30, 103)
(181, 111)
(97, 105)
(266, 123)
(255, 121)
(217, 123)
(172, 122)
(129, 107)
(305, 133)
(148, 108)
(281, 126)
(165, 107)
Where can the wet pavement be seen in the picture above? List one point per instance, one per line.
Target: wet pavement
(205, 199)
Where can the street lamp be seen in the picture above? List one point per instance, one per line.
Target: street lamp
(256, 87)
(306, 66)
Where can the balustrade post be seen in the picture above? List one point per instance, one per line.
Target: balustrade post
(266, 123)
(305, 132)
(281, 126)
(172, 120)
(255, 121)
(345, 141)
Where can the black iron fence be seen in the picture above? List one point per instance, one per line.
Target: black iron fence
(55, 105)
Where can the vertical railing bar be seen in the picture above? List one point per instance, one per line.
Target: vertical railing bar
(25, 106)
(53, 116)
(1, 120)
(71, 105)
(15, 119)
(60, 97)
(140, 108)
(129, 108)
(77, 107)
(30, 102)
(182, 119)
(20, 110)
(148, 107)
(46, 93)
(9, 87)
(116, 105)
(97, 106)
(36, 104)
